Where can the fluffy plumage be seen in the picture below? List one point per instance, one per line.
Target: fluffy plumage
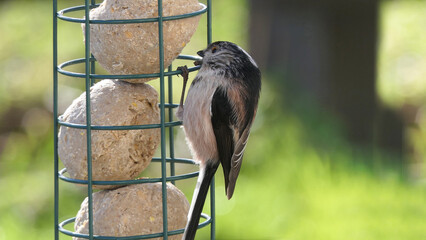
(219, 110)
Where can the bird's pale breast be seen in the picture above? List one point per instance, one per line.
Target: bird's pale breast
(197, 119)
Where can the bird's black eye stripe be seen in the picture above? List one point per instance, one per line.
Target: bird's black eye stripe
(214, 49)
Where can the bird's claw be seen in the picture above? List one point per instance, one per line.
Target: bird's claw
(185, 72)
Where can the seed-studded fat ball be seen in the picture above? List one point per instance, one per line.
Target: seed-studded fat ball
(134, 48)
(116, 154)
(133, 210)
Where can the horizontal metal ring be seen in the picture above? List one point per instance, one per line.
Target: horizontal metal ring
(146, 236)
(61, 15)
(111, 128)
(136, 181)
(129, 76)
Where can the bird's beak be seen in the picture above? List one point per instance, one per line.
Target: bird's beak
(199, 61)
(200, 53)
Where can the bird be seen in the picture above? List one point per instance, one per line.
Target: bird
(217, 115)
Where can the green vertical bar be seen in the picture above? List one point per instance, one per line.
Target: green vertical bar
(209, 21)
(92, 63)
(212, 210)
(92, 70)
(88, 118)
(171, 133)
(212, 185)
(55, 117)
(162, 113)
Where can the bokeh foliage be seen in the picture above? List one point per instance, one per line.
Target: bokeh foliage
(300, 180)
(402, 55)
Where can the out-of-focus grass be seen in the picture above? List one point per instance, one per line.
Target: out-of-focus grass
(300, 179)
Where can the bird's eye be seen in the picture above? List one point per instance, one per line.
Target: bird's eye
(214, 49)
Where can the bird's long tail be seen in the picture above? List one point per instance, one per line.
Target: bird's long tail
(203, 182)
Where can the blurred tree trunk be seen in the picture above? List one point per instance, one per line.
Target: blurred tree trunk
(328, 48)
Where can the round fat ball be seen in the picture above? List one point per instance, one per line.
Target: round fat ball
(116, 154)
(133, 210)
(134, 48)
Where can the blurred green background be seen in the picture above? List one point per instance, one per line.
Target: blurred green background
(302, 178)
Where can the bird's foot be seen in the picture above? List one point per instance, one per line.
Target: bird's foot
(184, 74)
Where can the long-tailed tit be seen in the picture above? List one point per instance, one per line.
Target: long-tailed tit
(219, 110)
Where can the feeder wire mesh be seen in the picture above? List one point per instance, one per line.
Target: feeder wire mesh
(90, 76)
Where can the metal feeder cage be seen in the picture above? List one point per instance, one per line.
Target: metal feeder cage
(89, 75)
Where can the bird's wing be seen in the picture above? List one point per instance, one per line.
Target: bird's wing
(231, 134)
(245, 107)
(222, 121)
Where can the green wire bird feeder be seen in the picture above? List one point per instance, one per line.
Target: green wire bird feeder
(168, 162)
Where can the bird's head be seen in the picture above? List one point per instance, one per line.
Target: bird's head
(224, 56)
